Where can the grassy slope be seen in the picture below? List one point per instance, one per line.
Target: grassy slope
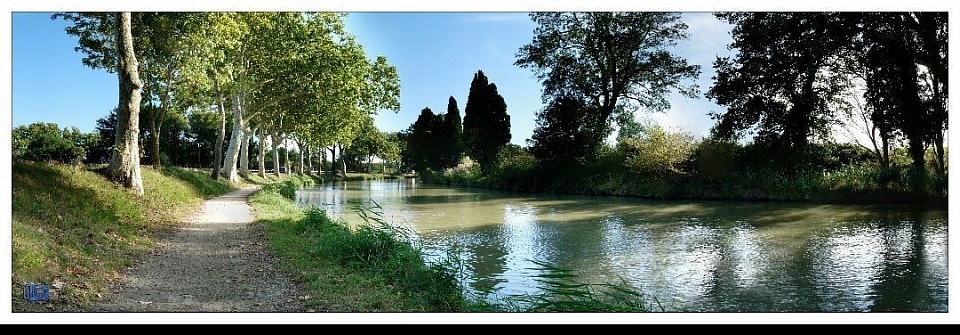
(76, 230)
(332, 287)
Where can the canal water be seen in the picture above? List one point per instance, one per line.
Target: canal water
(695, 256)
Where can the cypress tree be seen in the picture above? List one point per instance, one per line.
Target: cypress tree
(453, 134)
(486, 125)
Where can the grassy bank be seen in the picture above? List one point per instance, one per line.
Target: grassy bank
(379, 267)
(848, 184)
(370, 268)
(75, 230)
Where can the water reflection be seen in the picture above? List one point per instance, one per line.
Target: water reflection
(694, 256)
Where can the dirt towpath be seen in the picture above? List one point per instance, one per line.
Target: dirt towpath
(218, 262)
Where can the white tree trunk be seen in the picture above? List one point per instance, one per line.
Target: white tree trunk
(245, 153)
(323, 159)
(125, 158)
(309, 159)
(286, 155)
(233, 149)
(274, 142)
(343, 160)
(333, 158)
(261, 167)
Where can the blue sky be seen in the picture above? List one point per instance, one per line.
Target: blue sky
(436, 55)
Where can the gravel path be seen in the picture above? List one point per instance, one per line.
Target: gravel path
(218, 262)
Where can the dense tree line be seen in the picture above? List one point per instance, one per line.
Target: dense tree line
(793, 79)
(435, 141)
(218, 89)
(788, 80)
(277, 80)
(439, 141)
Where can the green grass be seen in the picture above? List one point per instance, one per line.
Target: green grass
(76, 230)
(362, 269)
(200, 180)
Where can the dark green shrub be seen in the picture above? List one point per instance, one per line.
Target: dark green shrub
(44, 142)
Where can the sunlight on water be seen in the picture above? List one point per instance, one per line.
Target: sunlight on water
(847, 265)
(690, 256)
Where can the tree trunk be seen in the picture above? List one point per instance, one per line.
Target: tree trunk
(885, 159)
(300, 147)
(261, 167)
(156, 124)
(309, 159)
(233, 149)
(245, 153)
(274, 142)
(125, 159)
(938, 147)
(333, 158)
(155, 140)
(218, 147)
(323, 160)
(286, 155)
(343, 160)
(165, 105)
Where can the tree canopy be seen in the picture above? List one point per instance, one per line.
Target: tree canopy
(289, 74)
(611, 61)
(794, 70)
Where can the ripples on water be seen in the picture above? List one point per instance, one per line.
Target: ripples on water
(694, 256)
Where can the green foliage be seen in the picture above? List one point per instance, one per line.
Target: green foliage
(516, 169)
(425, 143)
(614, 60)
(659, 151)
(96, 33)
(486, 124)
(289, 186)
(369, 142)
(891, 62)
(467, 174)
(673, 165)
(568, 132)
(434, 140)
(831, 156)
(715, 158)
(451, 136)
(204, 126)
(44, 142)
(786, 71)
(791, 71)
